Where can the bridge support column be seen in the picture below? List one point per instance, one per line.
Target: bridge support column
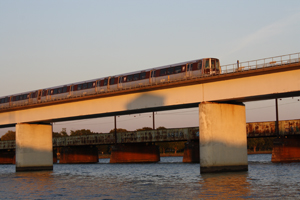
(222, 137)
(34, 147)
(286, 149)
(134, 153)
(79, 154)
(191, 152)
(7, 156)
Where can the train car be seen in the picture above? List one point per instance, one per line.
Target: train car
(176, 72)
(4, 102)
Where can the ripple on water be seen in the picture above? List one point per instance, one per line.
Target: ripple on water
(168, 179)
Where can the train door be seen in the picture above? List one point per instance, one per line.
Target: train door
(71, 90)
(152, 77)
(215, 66)
(206, 66)
(108, 85)
(39, 95)
(120, 82)
(189, 70)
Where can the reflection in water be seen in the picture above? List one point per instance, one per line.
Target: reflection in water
(225, 185)
(168, 179)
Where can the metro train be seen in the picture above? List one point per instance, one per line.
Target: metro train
(176, 72)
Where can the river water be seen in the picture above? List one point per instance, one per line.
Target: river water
(168, 179)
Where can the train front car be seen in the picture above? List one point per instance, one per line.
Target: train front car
(211, 66)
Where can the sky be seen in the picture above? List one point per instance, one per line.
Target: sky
(49, 43)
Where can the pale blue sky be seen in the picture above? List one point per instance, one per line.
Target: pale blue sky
(49, 43)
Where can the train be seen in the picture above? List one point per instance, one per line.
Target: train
(165, 74)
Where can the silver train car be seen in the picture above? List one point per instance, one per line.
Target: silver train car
(169, 73)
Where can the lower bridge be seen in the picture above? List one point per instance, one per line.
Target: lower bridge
(138, 146)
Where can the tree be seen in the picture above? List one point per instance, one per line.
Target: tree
(82, 132)
(10, 135)
(163, 146)
(144, 129)
(119, 130)
(60, 134)
(176, 146)
(161, 128)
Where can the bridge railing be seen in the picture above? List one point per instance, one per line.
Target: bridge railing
(261, 63)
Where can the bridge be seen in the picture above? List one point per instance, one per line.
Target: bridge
(219, 97)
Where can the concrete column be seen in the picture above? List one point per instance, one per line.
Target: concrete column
(134, 153)
(222, 137)
(34, 147)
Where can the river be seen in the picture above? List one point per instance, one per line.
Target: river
(168, 179)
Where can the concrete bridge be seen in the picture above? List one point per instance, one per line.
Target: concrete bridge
(219, 97)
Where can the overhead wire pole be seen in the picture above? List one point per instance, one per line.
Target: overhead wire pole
(153, 121)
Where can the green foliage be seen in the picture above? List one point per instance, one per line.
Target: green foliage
(176, 146)
(82, 132)
(144, 129)
(161, 128)
(10, 135)
(119, 130)
(60, 134)
(260, 144)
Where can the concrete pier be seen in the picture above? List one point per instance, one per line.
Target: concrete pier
(222, 137)
(191, 152)
(78, 155)
(34, 147)
(286, 149)
(134, 153)
(7, 156)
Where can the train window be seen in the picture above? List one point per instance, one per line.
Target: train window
(54, 91)
(129, 78)
(65, 89)
(153, 74)
(124, 79)
(59, 90)
(17, 98)
(84, 86)
(163, 72)
(45, 93)
(90, 85)
(112, 81)
(136, 77)
(183, 68)
(79, 87)
(177, 69)
(143, 75)
(190, 68)
(21, 97)
(120, 79)
(170, 70)
(207, 64)
(199, 66)
(105, 82)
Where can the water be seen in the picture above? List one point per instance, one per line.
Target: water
(168, 179)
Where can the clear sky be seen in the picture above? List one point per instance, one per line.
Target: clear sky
(49, 43)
